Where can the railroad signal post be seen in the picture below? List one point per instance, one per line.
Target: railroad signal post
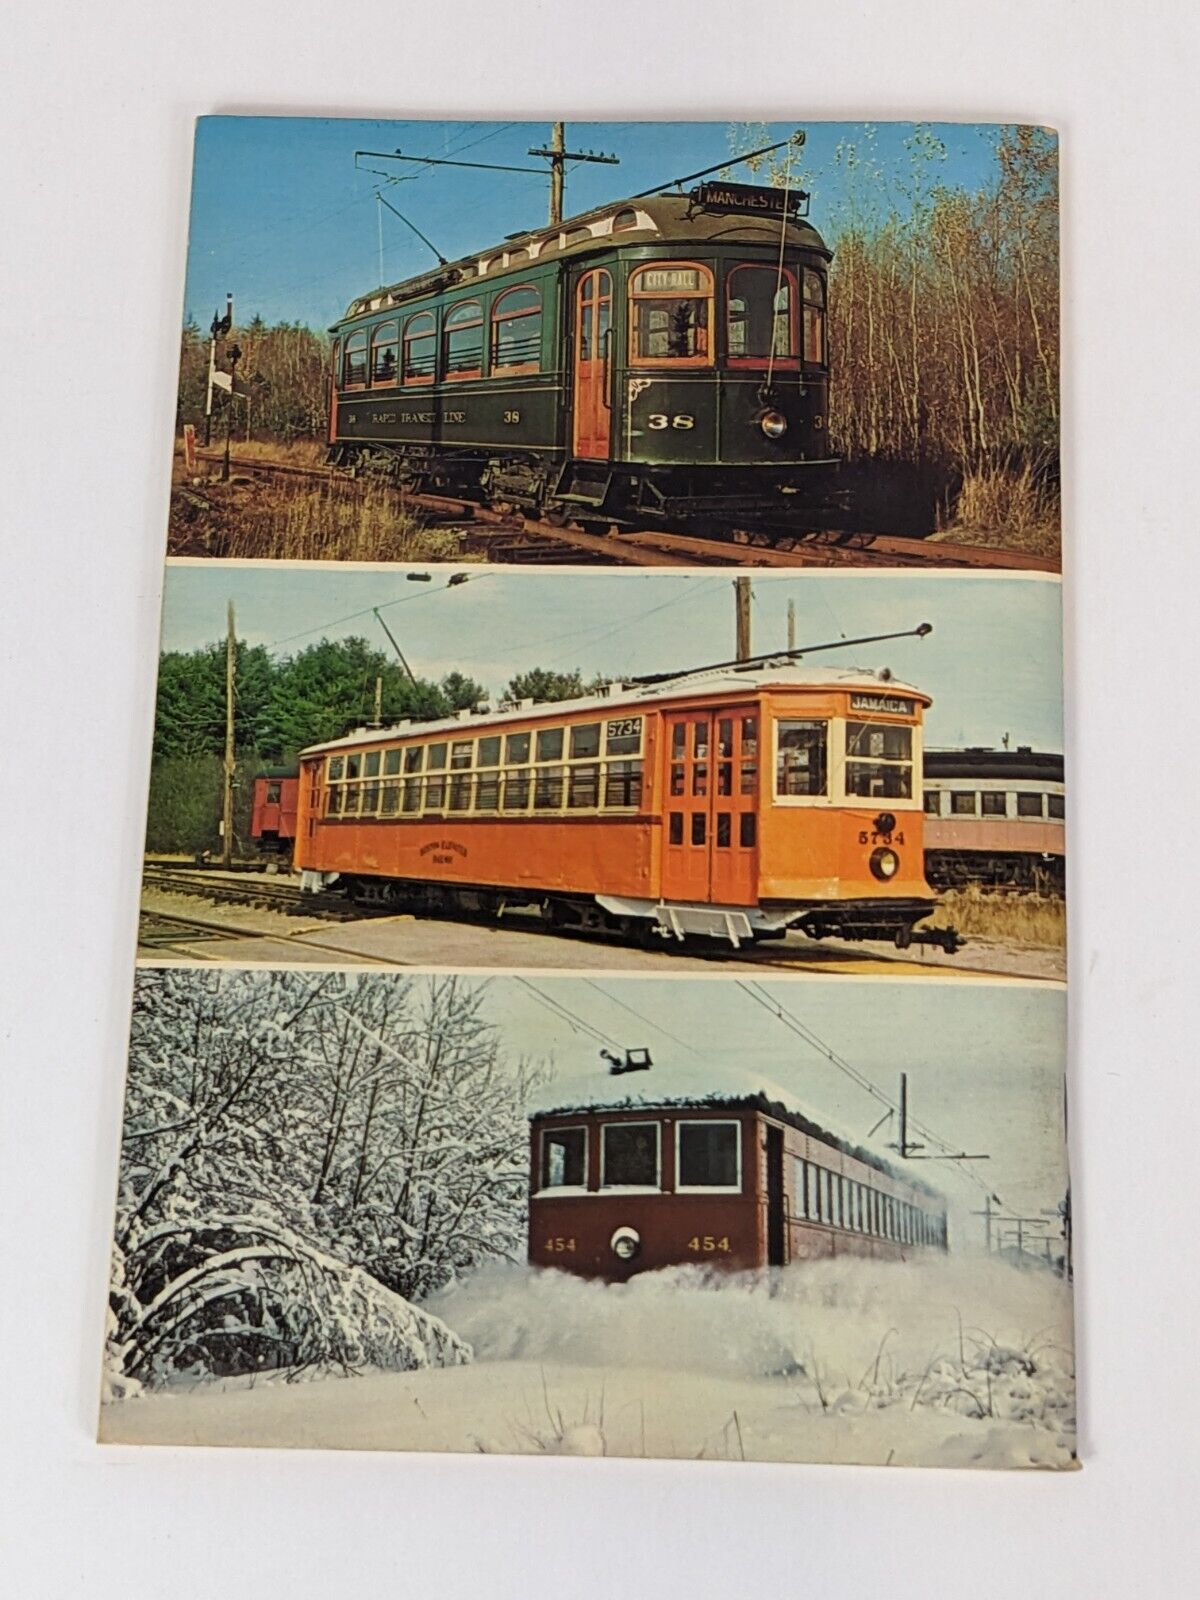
(234, 357)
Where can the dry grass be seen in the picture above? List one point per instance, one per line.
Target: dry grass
(1007, 508)
(296, 452)
(265, 519)
(1029, 919)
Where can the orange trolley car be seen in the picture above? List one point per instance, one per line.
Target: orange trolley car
(631, 1172)
(734, 802)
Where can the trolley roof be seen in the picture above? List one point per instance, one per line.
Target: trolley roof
(664, 1088)
(1021, 763)
(662, 218)
(630, 697)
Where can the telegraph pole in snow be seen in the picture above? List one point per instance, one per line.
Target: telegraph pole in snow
(227, 795)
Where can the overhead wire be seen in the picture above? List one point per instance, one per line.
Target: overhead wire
(633, 1012)
(777, 1009)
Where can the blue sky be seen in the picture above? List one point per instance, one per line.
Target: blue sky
(993, 663)
(984, 1061)
(281, 218)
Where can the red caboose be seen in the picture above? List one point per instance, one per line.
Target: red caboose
(273, 818)
(637, 1169)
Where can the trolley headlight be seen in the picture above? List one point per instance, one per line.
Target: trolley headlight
(773, 424)
(625, 1243)
(885, 863)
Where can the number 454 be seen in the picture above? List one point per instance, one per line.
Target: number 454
(705, 1244)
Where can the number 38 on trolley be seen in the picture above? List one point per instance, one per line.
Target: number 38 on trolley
(735, 802)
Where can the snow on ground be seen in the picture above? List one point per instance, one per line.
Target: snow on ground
(836, 1362)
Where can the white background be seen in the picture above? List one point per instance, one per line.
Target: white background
(97, 115)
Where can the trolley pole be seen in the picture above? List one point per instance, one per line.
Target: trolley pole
(791, 624)
(227, 794)
(742, 593)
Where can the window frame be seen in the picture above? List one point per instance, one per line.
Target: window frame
(348, 386)
(544, 1188)
(827, 796)
(451, 326)
(822, 310)
(706, 293)
(632, 1188)
(496, 315)
(780, 363)
(407, 337)
(708, 1188)
(374, 344)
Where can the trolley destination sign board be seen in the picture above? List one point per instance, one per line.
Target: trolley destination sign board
(749, 197)
(889, 704)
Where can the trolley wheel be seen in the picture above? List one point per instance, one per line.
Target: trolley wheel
(903, 938)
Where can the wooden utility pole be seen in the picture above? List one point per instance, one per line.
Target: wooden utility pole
(558, 145)
(791, 624)
(378, 703)
(742, 592)
(227, 806)
(558, 155)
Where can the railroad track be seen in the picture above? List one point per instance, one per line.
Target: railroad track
(265, 894)
(511, 536)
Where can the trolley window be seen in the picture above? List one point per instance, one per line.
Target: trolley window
(624, 220)
(354, 362)
(814, 318)
(962, 802)
(992, 802)
(413, 758)
(1029, 805)
(385, 342)
(517, 786)
(516, 332)
(564, 1158)
(1056, 806)
(623, 737)
(585, 740)
(549, 744)
(879, 760)
(489, 751)
(516, 748)
(548, 789)
(708, 1155)
(583, 790)
(801, 758)
(629, 1155)
(420, 348)
(623, 783)
(760, 315)
(462, 342)
(670, 314)
(933, 802)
